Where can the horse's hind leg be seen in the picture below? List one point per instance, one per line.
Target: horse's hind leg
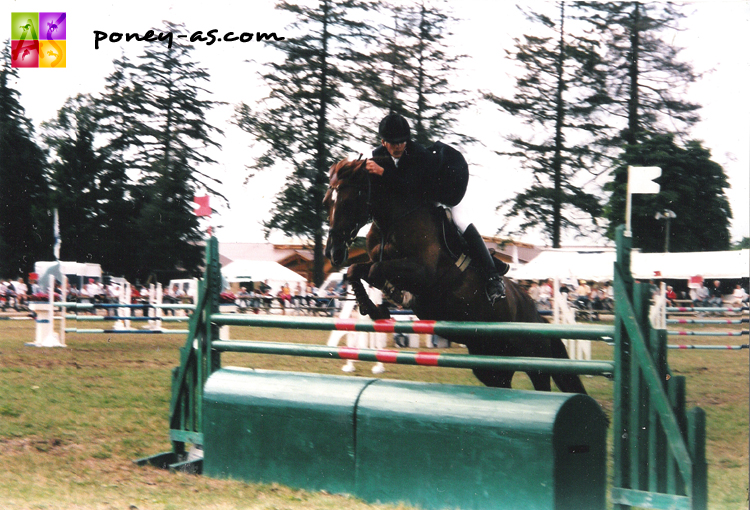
(568, 383)
(494, 378)
(540, 380)
(488, 377)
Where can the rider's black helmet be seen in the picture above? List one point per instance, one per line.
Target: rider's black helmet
(394, 129)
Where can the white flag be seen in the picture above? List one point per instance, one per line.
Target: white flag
(641, 179)
(56, 233)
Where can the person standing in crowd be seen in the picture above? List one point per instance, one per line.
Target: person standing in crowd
(3, 295)
(285, 297)
(8, 295)
(35, 287)
(654, 288)
(297, 298)
(609, 298)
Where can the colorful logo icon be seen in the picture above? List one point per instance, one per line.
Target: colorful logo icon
(38, 39)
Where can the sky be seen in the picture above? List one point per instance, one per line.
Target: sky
(715, 38)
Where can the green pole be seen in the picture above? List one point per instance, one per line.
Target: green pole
(419, 358)
(442, 328)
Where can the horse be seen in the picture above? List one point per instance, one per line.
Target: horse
(416, 260)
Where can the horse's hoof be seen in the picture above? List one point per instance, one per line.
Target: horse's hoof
(380, 313)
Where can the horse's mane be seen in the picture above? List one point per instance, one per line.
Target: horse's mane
(339, 172)
(343, 170)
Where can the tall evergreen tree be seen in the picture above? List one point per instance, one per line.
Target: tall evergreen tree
(25, 226)
(645, 75)
(163, 144)
(74, 179)
(558, 96)
(297, 121)
(410, 74)
(692, 186)
(89, 190)
(645, 82)
(120, 110)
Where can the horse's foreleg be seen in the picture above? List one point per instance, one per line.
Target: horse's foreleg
(355, 275)
(403, 274)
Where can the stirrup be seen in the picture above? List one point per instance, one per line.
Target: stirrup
(495, 288)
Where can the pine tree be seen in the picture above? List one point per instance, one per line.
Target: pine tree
(559, 97)
(155, 121)
(120, 111)
(645, 82)
(25, 227)
(692, 186)
(645, 77)
(74, 179)
(410, 75)
(175, 136)
(89, 190)
(297, 123)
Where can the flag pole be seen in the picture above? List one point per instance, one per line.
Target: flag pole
(628, 206)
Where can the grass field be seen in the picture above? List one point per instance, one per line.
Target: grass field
(73, 420)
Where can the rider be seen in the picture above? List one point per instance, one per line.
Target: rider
(407, 166)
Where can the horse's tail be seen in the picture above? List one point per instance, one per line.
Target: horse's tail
(568, 383)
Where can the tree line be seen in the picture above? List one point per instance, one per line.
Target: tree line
(598, 86)
(121, 167)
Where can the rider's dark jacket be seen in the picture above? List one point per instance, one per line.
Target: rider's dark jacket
(412, 177)
(437, 174)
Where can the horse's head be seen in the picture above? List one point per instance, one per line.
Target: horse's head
(348, 206)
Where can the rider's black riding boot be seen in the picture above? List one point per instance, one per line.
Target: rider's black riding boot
(478, 251)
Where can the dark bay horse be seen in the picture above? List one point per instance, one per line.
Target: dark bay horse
(416, 262)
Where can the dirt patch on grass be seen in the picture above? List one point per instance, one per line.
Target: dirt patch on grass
(33, 444)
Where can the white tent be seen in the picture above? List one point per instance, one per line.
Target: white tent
(567, 264)
(77, 272)
(261, 270)
(71, 268)
(681, 266)
(599, 265)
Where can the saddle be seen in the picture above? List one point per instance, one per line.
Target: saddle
(455, 244)
(452, 240)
